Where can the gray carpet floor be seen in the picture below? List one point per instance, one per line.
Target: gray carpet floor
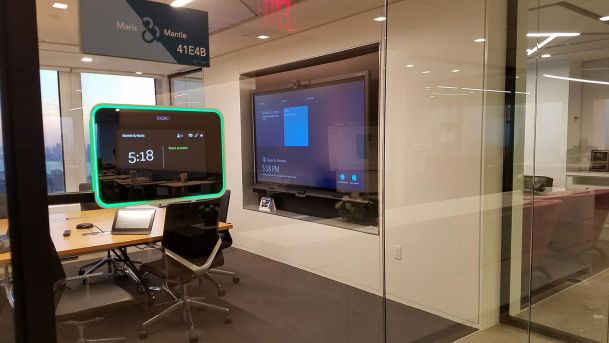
(273, 303)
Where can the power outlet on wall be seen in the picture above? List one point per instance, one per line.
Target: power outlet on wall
(397, 252)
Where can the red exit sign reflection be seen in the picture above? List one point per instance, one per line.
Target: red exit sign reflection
(277, 13)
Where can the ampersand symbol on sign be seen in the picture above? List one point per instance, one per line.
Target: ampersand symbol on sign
(151, 32)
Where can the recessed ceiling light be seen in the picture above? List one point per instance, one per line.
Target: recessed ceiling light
(604, 18)
(380, 19)
(479, 40)
(86, 59)
(426, 72)
(455, 70)
(139, 73)
(546, 56)
(60, 5)
(180, 3)
(263, 37)
(410, 66)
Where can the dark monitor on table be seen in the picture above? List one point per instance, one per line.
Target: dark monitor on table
(148, 154)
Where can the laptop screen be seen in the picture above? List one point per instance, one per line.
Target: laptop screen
(129, 219)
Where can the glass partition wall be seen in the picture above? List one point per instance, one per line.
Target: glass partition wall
(564, 240)
(400, 171)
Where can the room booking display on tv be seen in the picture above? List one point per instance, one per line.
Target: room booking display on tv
(313, 137)
(144, 154)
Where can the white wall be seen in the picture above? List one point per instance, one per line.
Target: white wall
(546, 129)
(435, 155)
(443, 156)
(347, 256)
(594, 110)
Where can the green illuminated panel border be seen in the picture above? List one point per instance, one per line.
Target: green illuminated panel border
(93, 154)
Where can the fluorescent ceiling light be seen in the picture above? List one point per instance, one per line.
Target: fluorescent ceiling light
(479, 40)
(451, 94)
(554, 34)
(455, 70)
(550, 37)
(427, 72)
(75, 108)
(180, 3)
(139, 73)
(447, 87)
(485, 90)
(86, 59)
(263, 37)
(410, 66)
(380, 19)
(60, 5)
(576, 80)
(546, 56)
(604, 18)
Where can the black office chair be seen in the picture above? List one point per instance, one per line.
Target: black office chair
(87, 206)
(227, 242)
(71, 304)
(112, 262)
(187, 253)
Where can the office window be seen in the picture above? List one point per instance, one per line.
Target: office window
(117, 89)
(51, 117)
(187, 90)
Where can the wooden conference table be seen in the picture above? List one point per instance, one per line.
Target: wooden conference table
(79, 243)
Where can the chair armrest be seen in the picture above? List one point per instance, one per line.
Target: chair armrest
(196, 269)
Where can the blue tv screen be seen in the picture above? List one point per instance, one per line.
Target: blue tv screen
(313, 137)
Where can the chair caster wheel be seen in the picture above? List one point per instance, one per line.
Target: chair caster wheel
(192, 337)
(228, 320)
(143, 334)
(221, 293)
(81, 272)
(236, 279)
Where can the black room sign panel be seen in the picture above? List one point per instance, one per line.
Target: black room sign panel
(145, 30)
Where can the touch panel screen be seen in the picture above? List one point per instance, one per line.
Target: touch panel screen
(143, 154)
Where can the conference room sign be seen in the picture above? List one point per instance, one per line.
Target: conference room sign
(146, 30)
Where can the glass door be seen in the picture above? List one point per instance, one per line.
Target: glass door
(567, 147)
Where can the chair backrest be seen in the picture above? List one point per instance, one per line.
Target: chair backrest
(224, 202)
(191, 229)
(88, 206)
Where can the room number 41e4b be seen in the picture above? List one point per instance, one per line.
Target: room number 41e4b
(191, 50)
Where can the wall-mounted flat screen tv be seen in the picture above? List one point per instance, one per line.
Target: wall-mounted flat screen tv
(149, 154)
(314, 137)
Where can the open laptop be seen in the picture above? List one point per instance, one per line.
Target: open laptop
(133, 221)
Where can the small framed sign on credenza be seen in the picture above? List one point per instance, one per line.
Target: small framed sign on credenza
(599, 160)
(266, 204)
